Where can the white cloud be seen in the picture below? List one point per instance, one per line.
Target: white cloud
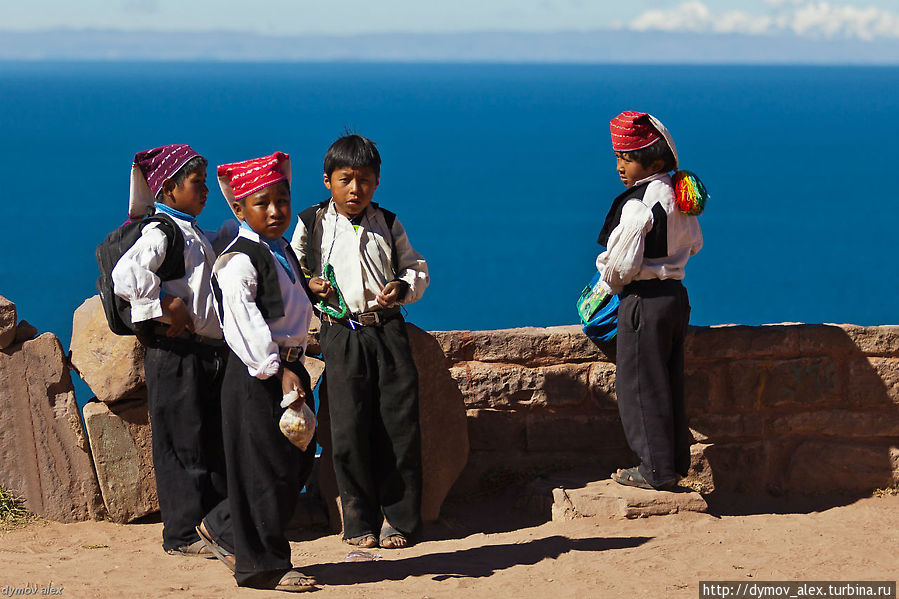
(801, 17)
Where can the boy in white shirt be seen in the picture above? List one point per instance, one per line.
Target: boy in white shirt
(265, 310)
(185, 353)
(372, 383)
(649, 241)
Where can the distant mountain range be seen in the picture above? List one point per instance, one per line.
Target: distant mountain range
(602, 46)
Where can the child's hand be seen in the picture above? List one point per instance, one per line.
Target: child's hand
(179, 315)
(320, 287)
(392, 293)
(291, 382)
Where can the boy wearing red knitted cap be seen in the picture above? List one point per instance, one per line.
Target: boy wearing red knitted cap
(165, 278)
(648, 241)
(264, 305)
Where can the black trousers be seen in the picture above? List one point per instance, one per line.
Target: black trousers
(266, 473)
(372, 388)
(183, 386)
(649, 380)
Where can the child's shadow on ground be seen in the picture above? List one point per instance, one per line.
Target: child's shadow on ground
(477, 562)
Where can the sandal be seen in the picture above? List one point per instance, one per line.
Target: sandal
(366, 541)
(225, 556)
(391, 538)
(631, 477)
(294, 581)
(196, 549)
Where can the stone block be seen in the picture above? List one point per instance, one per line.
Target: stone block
(120, 442)
(491, 430)
(7, 322)
(754, 385)
(606, 498)
(501, 386)
(315, 368)
(874, 341)
(739, 467)
(444, 430)
(804, 381)
(529, 346)
(818, 466)
(705, 389)
(491, 385)
(25, 331)
(44, 455)
(112, 365)
(874, 382)
(312, 346)
(846, 424)
(548, 431)
(825, 339)
(742, 342)
(720, 427)
(489, 471)
(602, 386)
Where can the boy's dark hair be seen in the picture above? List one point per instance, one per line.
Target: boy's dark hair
(657, 151)
(352, 151)
(197, 163)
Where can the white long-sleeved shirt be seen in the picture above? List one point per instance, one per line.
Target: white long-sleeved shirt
(134, 276)
(624, 261)
(254, 339)
(361, 257)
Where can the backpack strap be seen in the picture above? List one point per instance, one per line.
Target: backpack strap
(390, 218)
(308, 216)
(172, 266)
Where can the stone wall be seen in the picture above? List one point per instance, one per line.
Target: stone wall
(773, 409)
(780, 409)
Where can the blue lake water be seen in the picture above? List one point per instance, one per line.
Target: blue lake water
(502, 175)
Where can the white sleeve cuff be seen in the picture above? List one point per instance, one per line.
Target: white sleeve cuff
(267, 369)
(143, 308)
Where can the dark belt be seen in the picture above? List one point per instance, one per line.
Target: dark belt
(365, 319)
(158, 331)
(291, 354)
(652, 287)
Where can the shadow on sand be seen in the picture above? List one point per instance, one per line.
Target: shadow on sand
(477, 562)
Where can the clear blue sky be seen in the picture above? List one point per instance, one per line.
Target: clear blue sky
(858, 19)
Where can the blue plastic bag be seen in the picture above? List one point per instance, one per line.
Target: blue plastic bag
(598, 311)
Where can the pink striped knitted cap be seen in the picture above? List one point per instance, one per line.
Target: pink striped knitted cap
(149, 170)
(160, 164)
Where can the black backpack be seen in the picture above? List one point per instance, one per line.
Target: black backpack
(308, 218)
(118, 310)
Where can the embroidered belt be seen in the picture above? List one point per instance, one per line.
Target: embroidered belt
(364, 319)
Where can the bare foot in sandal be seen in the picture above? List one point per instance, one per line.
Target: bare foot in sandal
(294, 581)
(391, 538)
(366, 541)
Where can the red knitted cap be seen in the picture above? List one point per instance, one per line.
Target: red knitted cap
(632, 131)
(241, 179)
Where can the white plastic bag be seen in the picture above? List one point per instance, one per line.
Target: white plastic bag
(297, 425)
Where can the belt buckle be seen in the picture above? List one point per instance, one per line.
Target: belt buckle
(368, 319)
(292, 354)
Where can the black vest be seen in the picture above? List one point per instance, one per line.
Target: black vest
(656, 245)
(268, 290)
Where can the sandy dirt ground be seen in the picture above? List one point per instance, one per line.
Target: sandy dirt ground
(489, 551)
